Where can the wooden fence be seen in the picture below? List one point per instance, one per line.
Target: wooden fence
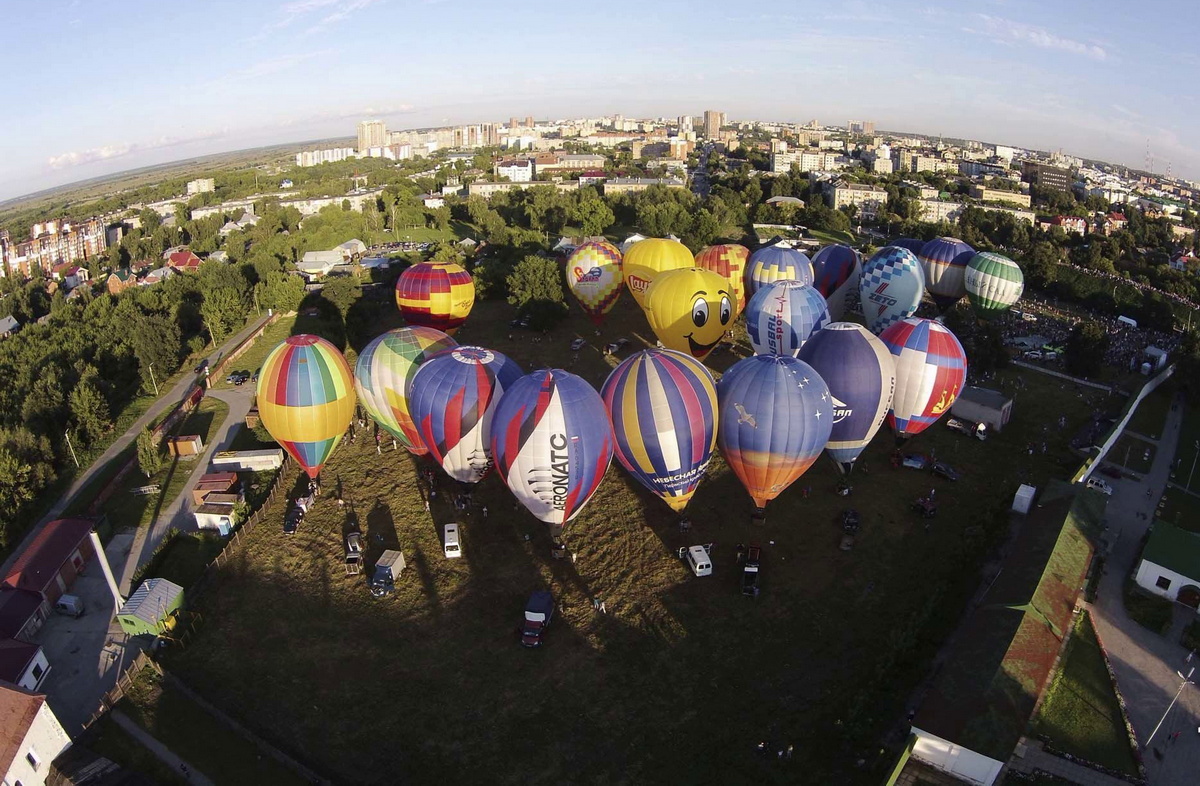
(124, 684)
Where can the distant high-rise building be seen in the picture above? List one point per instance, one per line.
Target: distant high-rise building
(201, 186)
(686, 123)
(512, 123)
(529, 121)
(371, 133)
(713, 120)
(866, 127)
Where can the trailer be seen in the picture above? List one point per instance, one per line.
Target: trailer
(387, 571)
(354, 554)
(750, 570)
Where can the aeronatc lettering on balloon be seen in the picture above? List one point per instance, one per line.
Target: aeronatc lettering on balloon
(841, 410)
(590, 277)
(559, 464)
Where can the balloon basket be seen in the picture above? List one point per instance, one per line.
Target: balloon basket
(759, 516)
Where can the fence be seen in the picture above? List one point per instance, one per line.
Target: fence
(124, 684)
(1118, 428)
(225, 362)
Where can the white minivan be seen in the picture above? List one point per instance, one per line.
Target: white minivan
(451, 546)
(698, 560)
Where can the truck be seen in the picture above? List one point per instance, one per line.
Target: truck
(387, 570)
(750, 569)
(539, 610)
(968, 427)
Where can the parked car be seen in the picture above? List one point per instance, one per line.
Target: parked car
(201, 366)
(946, 471)
(971, 429)
(231, 377)
(578, 344)
(254, 376)
(1100, 485)
(1111, 472)
(915, 461)
(70, 605)
(539, 611)
(450, 544)
(291, 522)
(240, 377)
(697, 559)
(750, 570)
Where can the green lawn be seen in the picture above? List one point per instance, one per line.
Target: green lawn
(1133, 453)
(614, 695)
(1080, 713)
(834, 236)
(1151, 414)
(252, 359)
(127, 509)
(189, 731)
(1149, 611)
(1186, 468)
(1191, 636)
(184, 559)
(1180, 508)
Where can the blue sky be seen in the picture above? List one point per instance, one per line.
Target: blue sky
(92, 88)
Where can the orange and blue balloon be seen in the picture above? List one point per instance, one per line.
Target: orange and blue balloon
(383, 373)
(549, 445)
(775, 415)
(931, 369)
(306, 398)
(452, 398)
(439, 295)
(595, 277)
(663, 405)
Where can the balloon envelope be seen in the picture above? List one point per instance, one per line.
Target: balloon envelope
(909, 243)
(383, 373)
(690, 309)
(775, 416)
(663, 405)
(439, 295)
(944, 262)
(728, 260)
(890, 288)
(836, 270)
(306, 398)
(647, 258)
(549, 443)
(781, 317)
(452, 398)
(861, 376)
(595, 278)
(776, 263)
(994, 284)
(930, 370)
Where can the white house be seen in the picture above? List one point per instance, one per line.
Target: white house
(215, 515)
(351, 248)
(316, 264)
(23, 663)
(516, 171)
(1170, 565)
(31, 736)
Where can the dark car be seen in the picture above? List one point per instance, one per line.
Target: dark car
(539, 611)
(750, 571)
(291, 522)
(201, 366)
(240, 377)
(945, 470)
(254, 376)
(230, 379)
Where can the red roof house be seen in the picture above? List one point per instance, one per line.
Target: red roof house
(184, 261)
(56, 556)
(21, 613)
(23, 663)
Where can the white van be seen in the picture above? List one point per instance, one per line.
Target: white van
(451, 546)
(71, 605)
(1099, 485)
(698, 560)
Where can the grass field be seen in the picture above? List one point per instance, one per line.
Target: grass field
(1080, 713)
(682, 677)
(834, 236)
(1151, 414)
(1133, 453)
(126, 509)
(112, 742)
(1180, 508)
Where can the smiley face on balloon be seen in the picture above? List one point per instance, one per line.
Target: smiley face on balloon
(690, 309)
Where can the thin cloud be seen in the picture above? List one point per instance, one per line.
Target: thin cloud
(76, 158)
(1021, 33)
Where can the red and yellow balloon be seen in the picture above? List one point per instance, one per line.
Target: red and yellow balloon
(439, 295)
(729, 260)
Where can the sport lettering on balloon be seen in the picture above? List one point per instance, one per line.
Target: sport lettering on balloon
(775, 325)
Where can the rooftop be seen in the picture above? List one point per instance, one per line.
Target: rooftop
(1174, 549)
(38, 565)
(14, 658)
(152, 599)
(988, 398)
(16, 607)
(18, 708)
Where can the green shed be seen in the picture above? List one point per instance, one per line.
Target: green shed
(152, 608)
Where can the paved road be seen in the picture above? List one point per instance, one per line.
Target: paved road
(166, 401)
(1144, 662)
(185, 770)
(178, 513)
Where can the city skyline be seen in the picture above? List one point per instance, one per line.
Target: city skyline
(1004, 72)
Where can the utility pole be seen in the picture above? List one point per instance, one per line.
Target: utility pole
(70, 447)
(1195, 455)
(1186, 681)
(153, 381)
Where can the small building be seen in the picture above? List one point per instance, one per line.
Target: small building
(22, 613)
(189, 445)
(248, 460)
(317, 264)
(983, 406)
(1156, 357)
(351, 249)
(218, 516)
(1023, 499)
(120, 280)
(252, 418)
(58, 553)
(30, 736)
(214, 483)
(1170, 565)
(23, 663)
(151, 609)
(8, 326)
(184, 261)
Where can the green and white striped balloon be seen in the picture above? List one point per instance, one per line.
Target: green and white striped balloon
(994, 283)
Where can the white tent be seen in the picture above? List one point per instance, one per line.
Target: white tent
(1023, 500)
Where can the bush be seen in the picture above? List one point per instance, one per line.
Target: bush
(1149, 611)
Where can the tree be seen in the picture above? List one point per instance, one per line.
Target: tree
(1086, 347)
(535, 278)
(156, 342)
(1187, 366)
(593, 215)
(342, 292)
(89, 411)
(223, 312)
(149, 452)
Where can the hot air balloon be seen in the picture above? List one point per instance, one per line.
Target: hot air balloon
(594, 277)
(435, 294)
(861, 376)
(452, 398)
(306, 398)
(890, 288)
(647, 258)
(930, 370)
(663, 409)
(776, 262)
(944, 261)
(690, 309)
(994, 284)
(909, 244)
(781, 317)
(728, 260)
(383, 373)
(549, 445)
(775, 416)
(836, 270)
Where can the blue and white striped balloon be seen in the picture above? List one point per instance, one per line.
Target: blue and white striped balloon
(781, 316)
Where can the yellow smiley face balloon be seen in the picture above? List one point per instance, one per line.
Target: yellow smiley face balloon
(690, 309)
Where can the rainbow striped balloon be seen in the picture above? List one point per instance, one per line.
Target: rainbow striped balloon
(663, 407)
(383, 373)
(306, 398)
(439, 295)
